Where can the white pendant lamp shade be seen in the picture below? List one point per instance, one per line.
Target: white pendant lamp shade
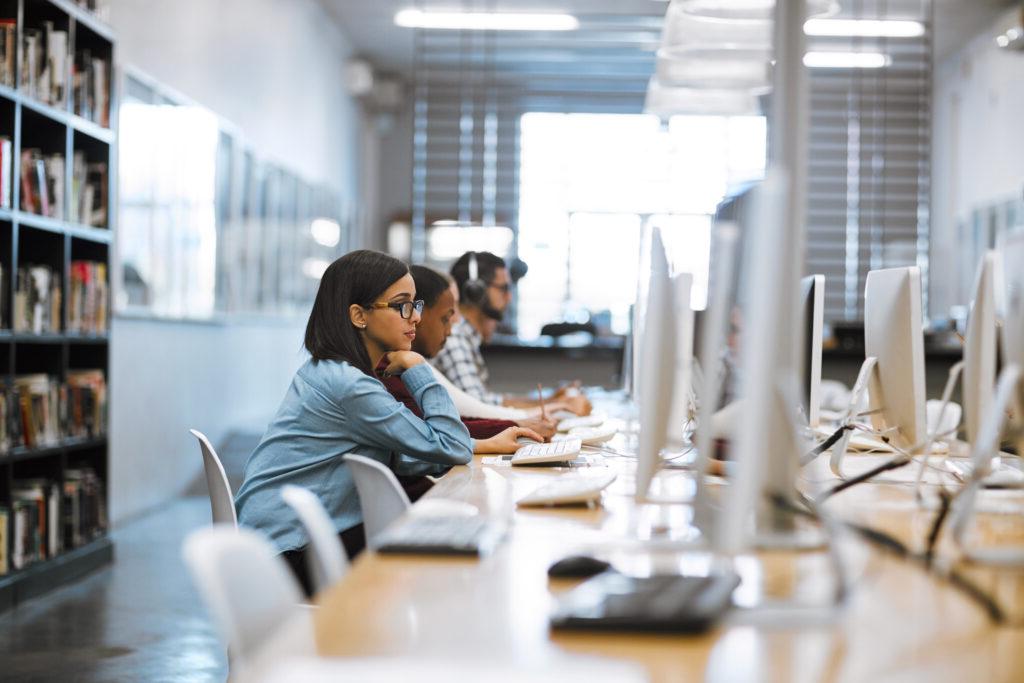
(725, 68)
(666, 101)
(748, 9)
(685, 30)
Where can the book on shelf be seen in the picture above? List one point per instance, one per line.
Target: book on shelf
(84, 510)
(42, 183)
(87, 298)
(8, 48)
(4, 562)
(85, 415)
(44, 63)
(38, 532)
(40, 410)
(51, 517)
(41, 402)
(6, 170)
(88, 192)
(91, 88)
(37, 300)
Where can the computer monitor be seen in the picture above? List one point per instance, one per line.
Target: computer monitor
(1013, 316)
(679, 417)
(893, 335)
(812, 319)
(766, 446)
(979, 378)
(657, 354)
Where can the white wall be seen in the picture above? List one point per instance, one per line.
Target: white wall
(977, 149)
(274, 69)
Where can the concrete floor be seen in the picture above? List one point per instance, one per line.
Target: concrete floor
(139, 619)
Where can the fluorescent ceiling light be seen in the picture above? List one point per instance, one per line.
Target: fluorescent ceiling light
(868, 28)
(846, 60)
(486, 21)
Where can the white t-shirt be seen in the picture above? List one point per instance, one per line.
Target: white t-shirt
(472, 407)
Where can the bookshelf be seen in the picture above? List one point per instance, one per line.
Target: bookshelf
(57, 110)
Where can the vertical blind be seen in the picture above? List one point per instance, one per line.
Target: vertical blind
(869, 159)
(868, 172)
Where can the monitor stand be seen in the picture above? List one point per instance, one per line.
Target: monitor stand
(985, 446)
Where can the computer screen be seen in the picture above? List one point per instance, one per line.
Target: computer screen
(980, 343)
(812, 318)
(893, 334)
(656, 368)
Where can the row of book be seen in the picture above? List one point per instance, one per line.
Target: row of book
(44, 70)
(87, 300)
(42, 187)
(37, 300)
(38, 297)
(49, 517)
(40, 410)
(44, 63)
(91, 88)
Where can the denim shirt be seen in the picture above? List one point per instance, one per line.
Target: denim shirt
(331, 409)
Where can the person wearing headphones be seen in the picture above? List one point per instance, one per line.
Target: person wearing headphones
(485, 291)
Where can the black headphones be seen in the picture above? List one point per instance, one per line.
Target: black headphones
(474, 290)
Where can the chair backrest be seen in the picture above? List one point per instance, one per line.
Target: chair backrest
(326, 558)
(249, 591)
(381, 497)
(222, 502)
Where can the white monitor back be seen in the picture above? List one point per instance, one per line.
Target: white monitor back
(1013, 316)
(656, 364)
(765, 446)
(812, 317)
(979, 381)
(679, 417)
(893, 334)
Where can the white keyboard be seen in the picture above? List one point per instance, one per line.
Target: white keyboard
(555, 452)
(569, 490)
(591, 436)
(582, 421)
(1002, 475)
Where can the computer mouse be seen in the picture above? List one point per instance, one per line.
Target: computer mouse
(577, 566)
(443, 507)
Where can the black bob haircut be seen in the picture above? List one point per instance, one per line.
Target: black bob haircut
(486, 266)
(430, 284)
(358, 277)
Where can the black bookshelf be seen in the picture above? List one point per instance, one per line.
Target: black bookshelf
(28, 237)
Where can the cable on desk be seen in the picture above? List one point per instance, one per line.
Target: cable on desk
(945, 500)
(893, 464)
(828, 443)
(893, 545)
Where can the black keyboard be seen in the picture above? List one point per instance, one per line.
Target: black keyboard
(441, 535)
(670, 604)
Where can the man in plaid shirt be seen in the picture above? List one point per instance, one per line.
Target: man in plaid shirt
(482, 303)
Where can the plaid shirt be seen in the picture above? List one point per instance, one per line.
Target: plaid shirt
(461, 362)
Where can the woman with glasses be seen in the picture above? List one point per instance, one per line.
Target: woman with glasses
(365, 313)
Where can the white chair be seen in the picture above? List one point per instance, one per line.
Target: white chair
(325, 556)
(251, 595)
(381, 497)
(222, 502)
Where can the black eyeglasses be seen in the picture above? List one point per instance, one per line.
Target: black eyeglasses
(404, 308)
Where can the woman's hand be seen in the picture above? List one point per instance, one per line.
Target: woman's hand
(400, 361)
(577, 405)
(505, 442)
(545, 428)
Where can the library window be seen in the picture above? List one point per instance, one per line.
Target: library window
(594, 186)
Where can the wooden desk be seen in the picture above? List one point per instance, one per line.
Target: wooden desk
(899, 624)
